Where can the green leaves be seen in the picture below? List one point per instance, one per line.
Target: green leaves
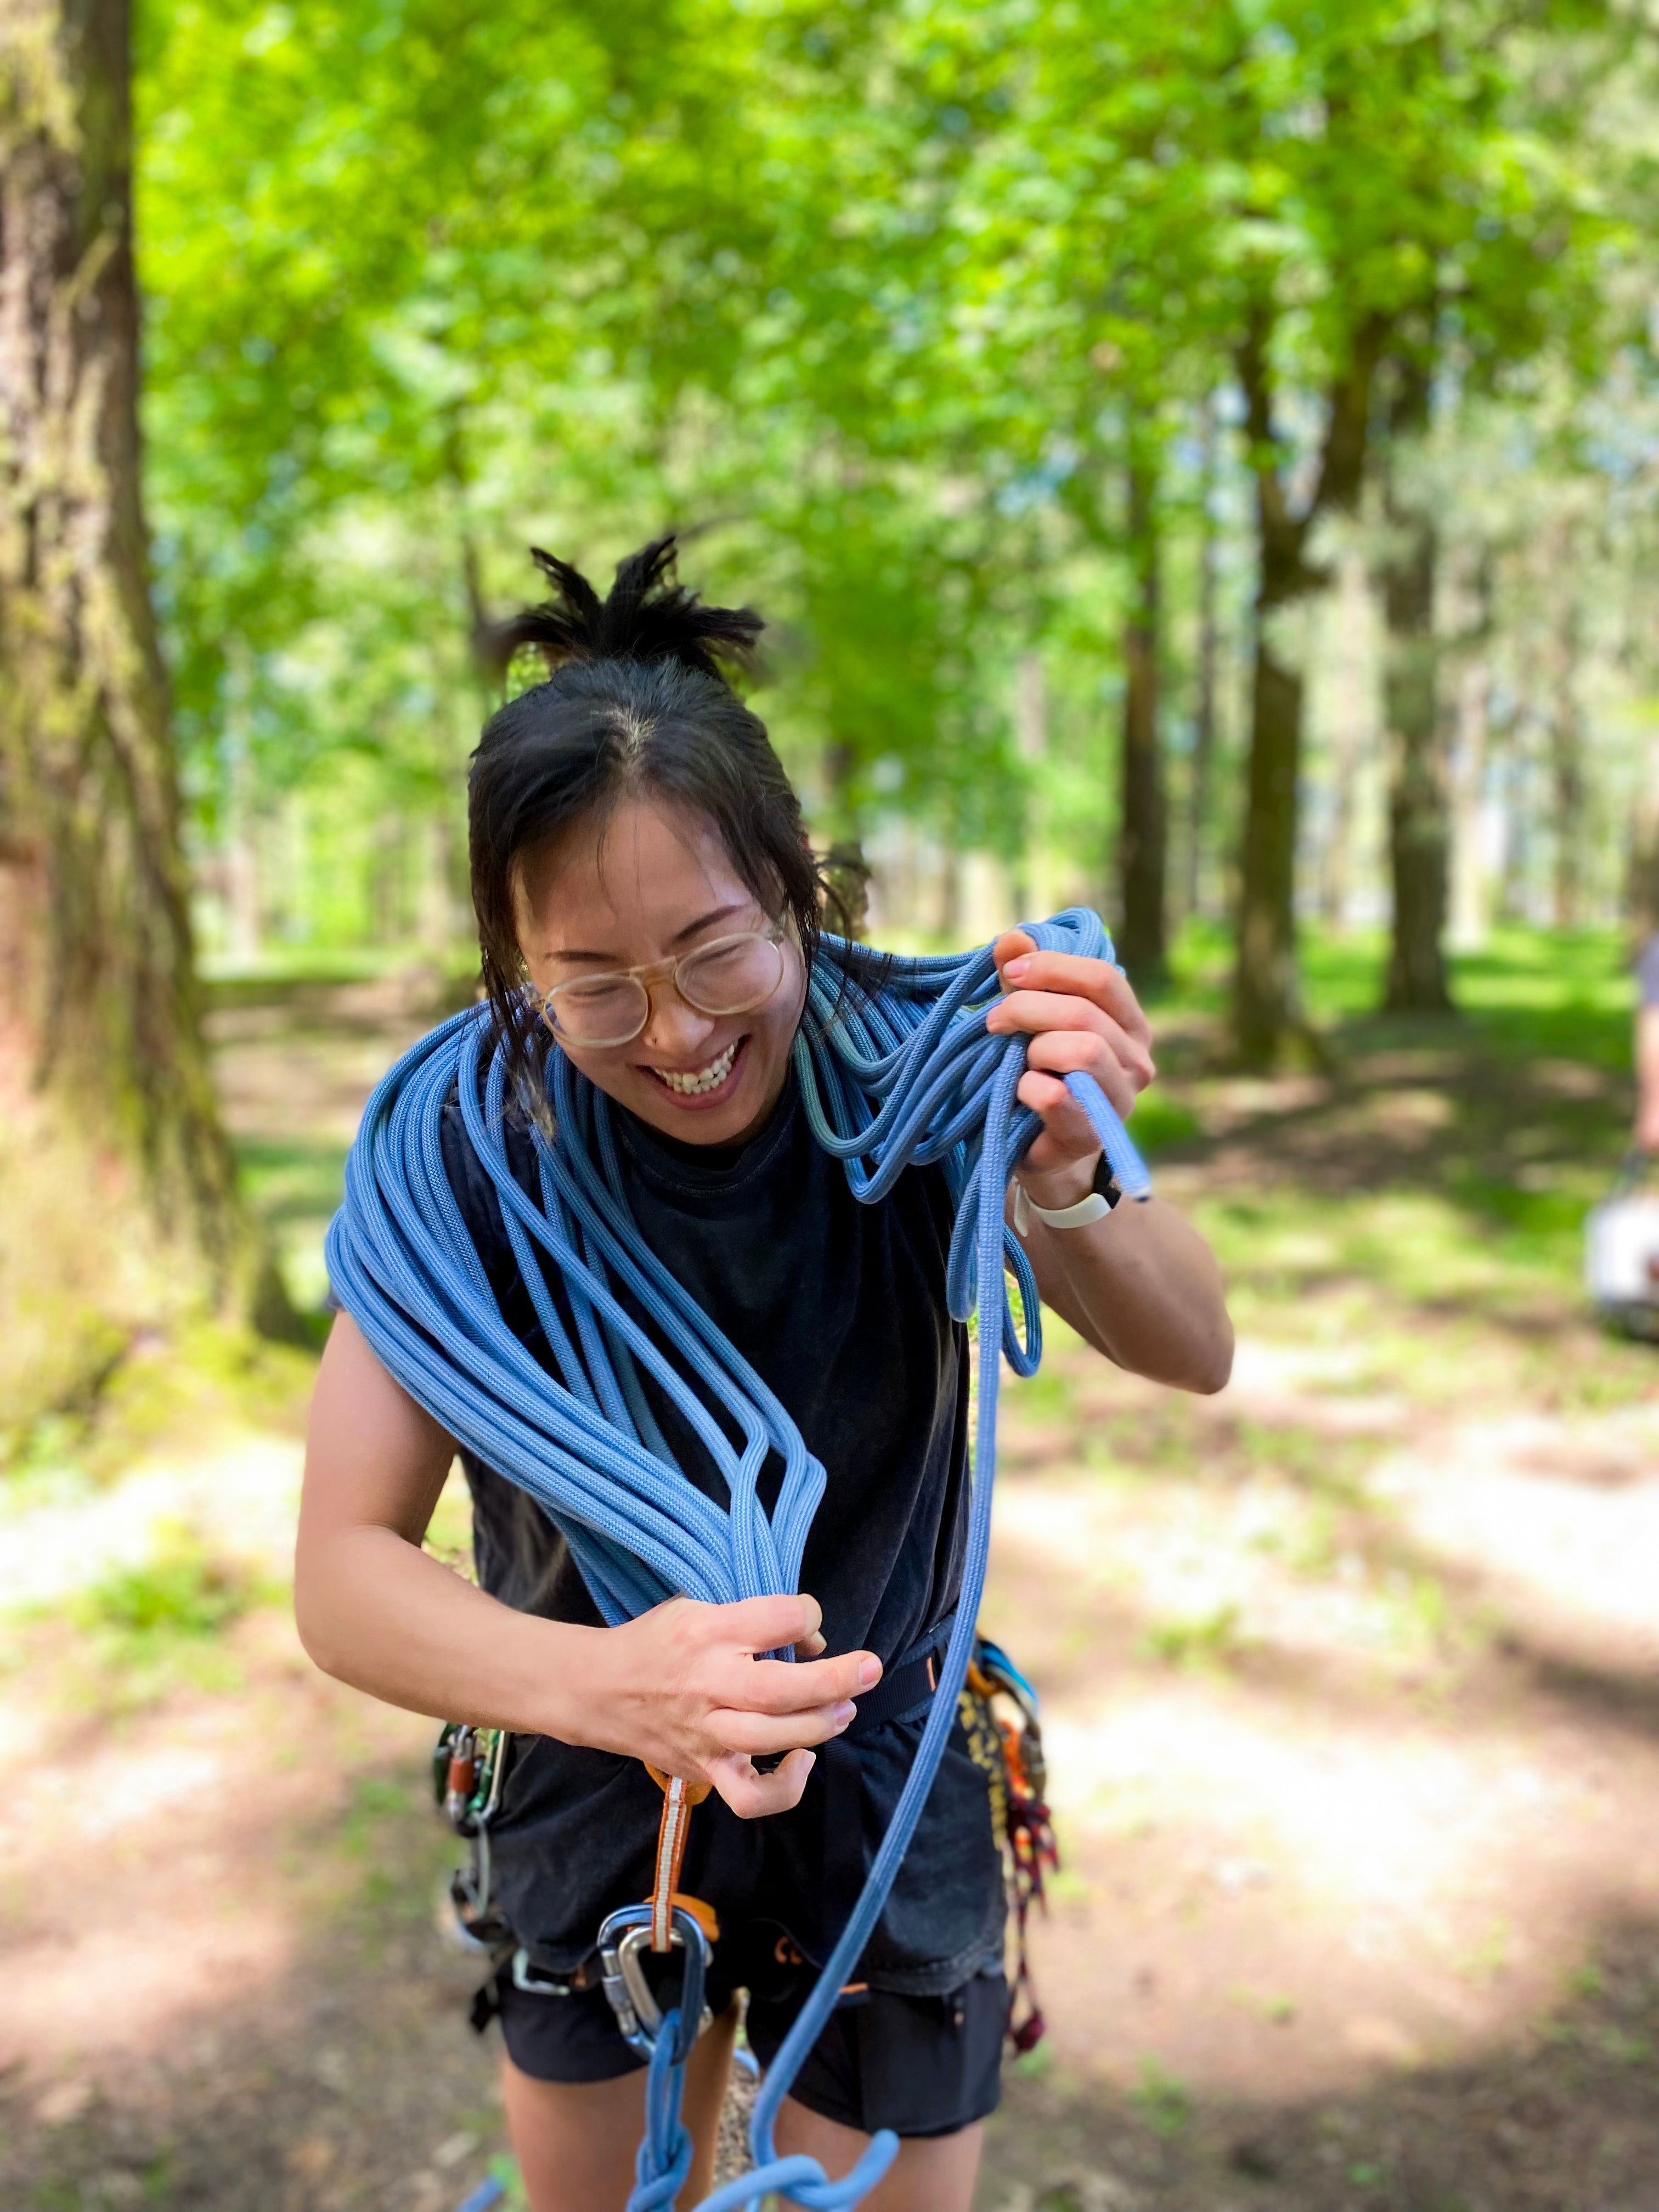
(886, 292)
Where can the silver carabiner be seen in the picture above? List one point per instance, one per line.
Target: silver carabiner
(624, 1938)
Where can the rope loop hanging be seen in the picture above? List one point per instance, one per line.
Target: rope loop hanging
(901, 1075)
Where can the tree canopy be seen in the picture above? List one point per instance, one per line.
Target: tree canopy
(912, 318)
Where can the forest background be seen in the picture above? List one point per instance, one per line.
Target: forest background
(1196, 461)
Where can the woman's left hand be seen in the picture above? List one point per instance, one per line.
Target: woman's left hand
(1082, 1019)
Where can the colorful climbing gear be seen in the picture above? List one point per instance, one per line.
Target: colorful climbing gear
(901, 1075)
(999, 1695)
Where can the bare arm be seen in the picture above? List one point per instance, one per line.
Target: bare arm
(1141, 1286)
(680, 1688)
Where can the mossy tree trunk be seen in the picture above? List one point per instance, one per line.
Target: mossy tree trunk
(1143, 835)
(101, 1011)
(1266, 1002)
(1419, 807)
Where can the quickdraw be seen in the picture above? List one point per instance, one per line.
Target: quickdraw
(469, 1767)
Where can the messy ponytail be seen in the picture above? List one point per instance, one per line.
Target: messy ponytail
(636, 703)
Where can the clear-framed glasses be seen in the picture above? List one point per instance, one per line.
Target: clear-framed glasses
(728, 975)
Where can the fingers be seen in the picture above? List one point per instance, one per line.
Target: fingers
(810, 1646)
(1042, 1013)
(1104, 986)
(1073, 1053)
(762, 1736)
(751, 1795)
(772, 1686)
(1067, 1132)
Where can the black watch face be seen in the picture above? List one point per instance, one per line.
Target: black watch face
(1105, 1182)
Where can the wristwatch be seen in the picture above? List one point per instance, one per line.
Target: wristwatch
(1102, 1196)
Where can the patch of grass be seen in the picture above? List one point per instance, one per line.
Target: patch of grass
(148, 1629)
(1211, 1639)
(1160, 1119)
(1163, 2101)
(375, 1799)
(183, 1590)
(182, 1382)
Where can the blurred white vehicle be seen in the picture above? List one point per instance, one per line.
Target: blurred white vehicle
(1621, 1251)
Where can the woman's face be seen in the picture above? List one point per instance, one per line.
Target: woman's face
(654, 884)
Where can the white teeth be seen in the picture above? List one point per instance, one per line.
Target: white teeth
(706, 1078)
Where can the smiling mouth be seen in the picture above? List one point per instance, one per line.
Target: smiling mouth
(701, 1081)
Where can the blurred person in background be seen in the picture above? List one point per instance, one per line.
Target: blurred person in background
(1644, 898)
(1647, 1045)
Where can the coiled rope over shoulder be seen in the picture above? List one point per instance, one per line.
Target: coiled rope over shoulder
(893, 1079)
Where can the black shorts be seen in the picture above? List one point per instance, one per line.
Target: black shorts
(919, 2065)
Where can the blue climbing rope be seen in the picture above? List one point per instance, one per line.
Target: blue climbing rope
(899, 1077)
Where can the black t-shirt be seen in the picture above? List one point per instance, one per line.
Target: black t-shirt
(840, 1308)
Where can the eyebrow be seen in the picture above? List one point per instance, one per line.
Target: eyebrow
(691, 929)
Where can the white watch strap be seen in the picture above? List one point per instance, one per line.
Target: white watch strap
(1094, 1207)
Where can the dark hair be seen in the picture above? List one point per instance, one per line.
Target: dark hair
(635, 702)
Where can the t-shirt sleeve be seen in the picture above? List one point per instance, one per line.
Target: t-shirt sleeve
(1647, 972)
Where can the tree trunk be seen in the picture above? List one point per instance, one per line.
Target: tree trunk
(1419, 829)
(1264, 994)
(1142, 837)
(104, 1013)
(1266, 1007)
(1204, 705)
(846, 871)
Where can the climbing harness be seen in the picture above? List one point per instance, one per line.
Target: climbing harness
(903, 1074)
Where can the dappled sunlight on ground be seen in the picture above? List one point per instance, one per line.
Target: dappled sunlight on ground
(1322, 1810)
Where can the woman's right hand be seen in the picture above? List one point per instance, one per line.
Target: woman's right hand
(684, 1688)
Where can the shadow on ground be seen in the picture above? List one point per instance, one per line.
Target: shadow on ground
(1561, 2119)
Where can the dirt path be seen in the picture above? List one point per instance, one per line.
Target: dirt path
(1352, 1687)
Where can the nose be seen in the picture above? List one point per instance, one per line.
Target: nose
(673, 1028)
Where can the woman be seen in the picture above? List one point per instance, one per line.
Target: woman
(643, 884)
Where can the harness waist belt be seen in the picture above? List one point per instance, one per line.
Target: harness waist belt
(905, 1691)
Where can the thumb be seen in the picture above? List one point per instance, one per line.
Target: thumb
(773, 1624)
(1009, 946)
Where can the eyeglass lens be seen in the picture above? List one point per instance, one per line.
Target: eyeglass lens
(732, 975)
